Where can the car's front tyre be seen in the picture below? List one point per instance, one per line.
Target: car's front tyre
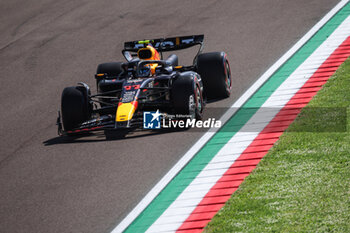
(75, 107)
(187, 96)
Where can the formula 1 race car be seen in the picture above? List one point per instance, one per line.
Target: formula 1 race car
(146, 82)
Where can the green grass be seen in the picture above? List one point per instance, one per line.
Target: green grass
(303, 183)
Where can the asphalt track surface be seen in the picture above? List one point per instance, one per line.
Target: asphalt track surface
(89, 184)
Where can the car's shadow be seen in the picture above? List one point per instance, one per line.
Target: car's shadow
(107, 135)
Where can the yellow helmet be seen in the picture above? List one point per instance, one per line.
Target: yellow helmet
(149, 53)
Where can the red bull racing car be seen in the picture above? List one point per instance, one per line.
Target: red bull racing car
(146, 82)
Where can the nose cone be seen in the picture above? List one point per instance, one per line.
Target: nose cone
(126, 111)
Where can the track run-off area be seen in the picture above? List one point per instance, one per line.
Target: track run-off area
(91, 184)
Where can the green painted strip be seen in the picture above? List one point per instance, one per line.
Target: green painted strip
(203, 157)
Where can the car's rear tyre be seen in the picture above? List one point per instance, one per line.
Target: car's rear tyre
(187, 96)
(215, 72)
(75, 107)
(112, 69)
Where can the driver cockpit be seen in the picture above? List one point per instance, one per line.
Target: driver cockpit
(143, 66)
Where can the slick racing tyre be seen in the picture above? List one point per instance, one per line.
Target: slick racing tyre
(75, 107)
(187, 96)
(112, 69)
(215, 72)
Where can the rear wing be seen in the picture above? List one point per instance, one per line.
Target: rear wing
(163, 44)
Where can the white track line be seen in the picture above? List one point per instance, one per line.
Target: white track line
(207, 136)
